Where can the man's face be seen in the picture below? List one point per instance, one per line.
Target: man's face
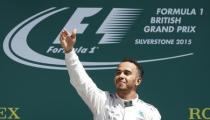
(126, 77)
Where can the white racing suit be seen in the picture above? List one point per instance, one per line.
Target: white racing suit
(105, 105)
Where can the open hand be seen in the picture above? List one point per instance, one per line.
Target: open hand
(68, 39)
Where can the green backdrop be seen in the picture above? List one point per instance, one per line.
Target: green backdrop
(176, 74)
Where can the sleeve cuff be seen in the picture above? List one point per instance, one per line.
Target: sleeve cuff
(71, 56)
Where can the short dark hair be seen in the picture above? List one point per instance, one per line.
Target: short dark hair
(139, 67)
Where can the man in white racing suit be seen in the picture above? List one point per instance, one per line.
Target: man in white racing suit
(122, 105)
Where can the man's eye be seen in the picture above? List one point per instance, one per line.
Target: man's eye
(127, 72)
(118, 72)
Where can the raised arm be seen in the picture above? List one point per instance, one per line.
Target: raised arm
(86, 88)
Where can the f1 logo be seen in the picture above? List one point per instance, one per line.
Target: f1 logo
(114, 26)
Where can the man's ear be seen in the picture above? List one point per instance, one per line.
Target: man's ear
(138, 82)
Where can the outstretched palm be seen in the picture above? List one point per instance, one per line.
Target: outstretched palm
(68, 39)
